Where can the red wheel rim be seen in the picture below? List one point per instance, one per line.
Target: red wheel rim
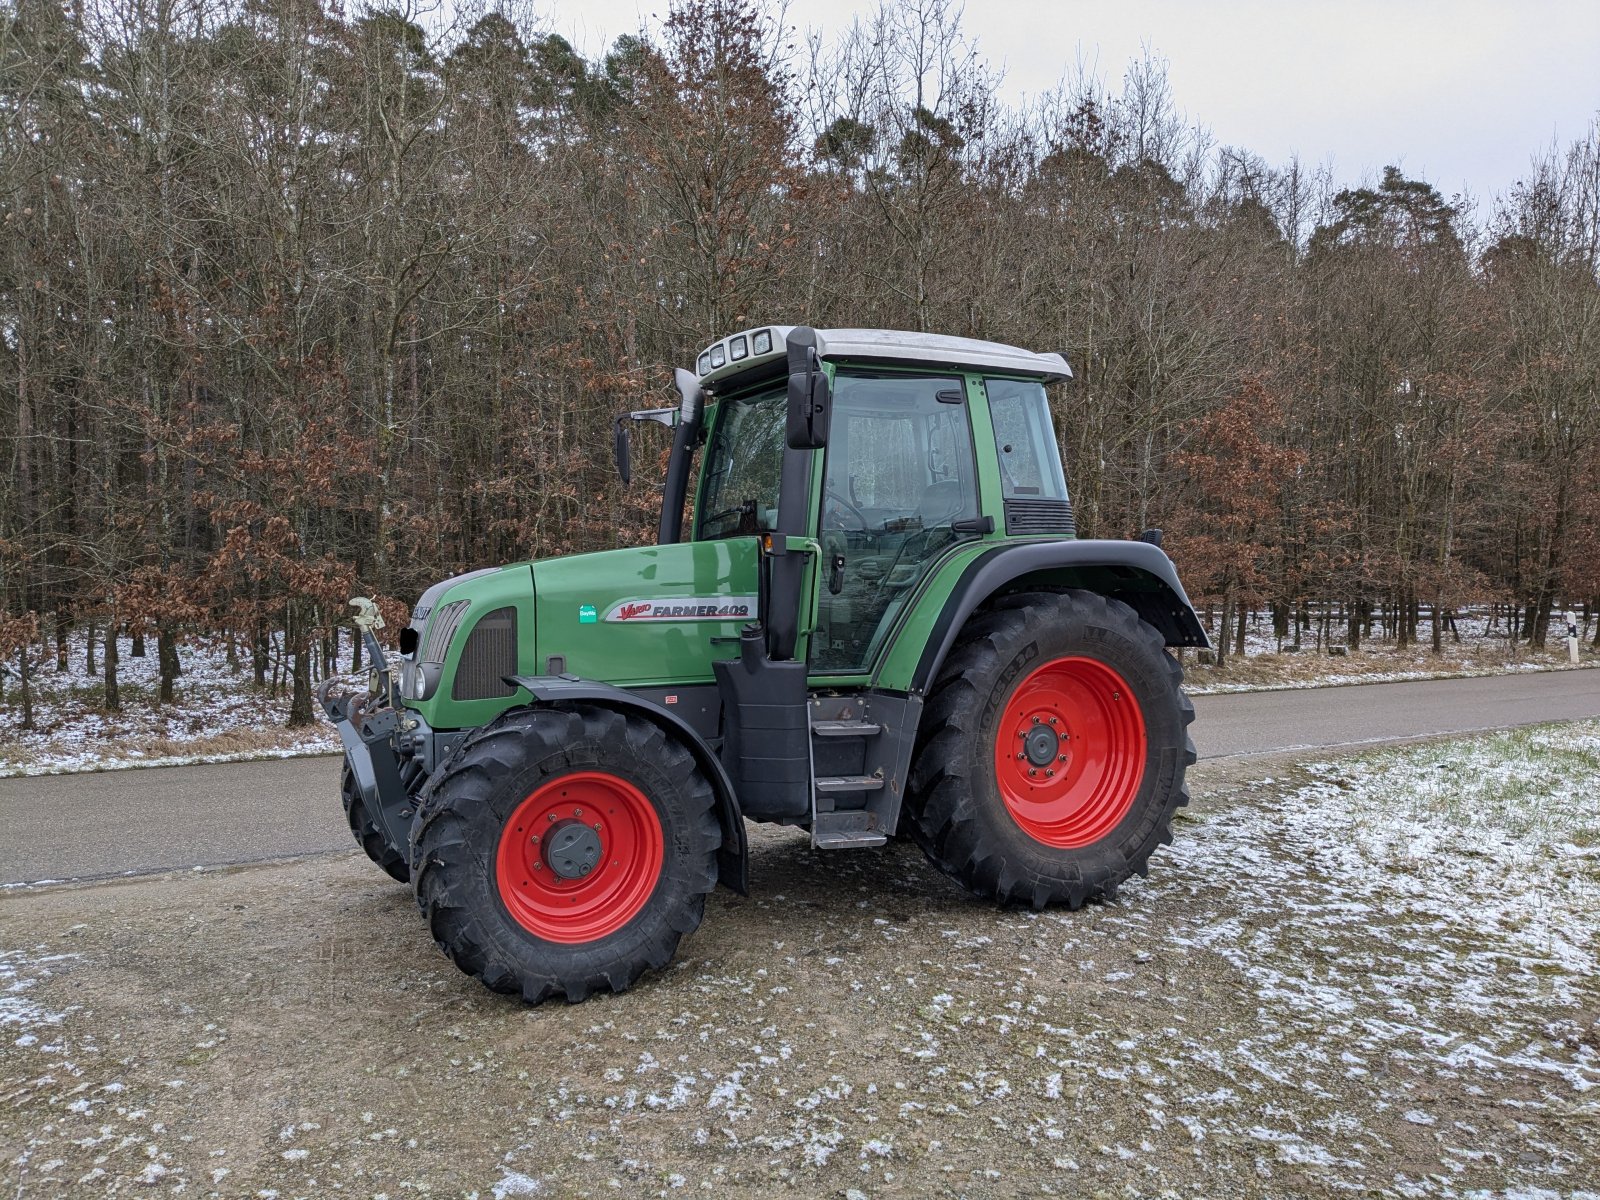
(1069, 752)
(591, 810)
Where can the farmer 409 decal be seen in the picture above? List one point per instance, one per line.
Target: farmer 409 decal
(688, 608)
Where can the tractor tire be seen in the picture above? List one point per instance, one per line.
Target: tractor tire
(562, 851)
(368, 836)
(1052, 751)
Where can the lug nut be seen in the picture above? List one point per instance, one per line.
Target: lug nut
(1063, 758)
(1053, 721)
(1021, 756)
(597, 826)
(1031, 772)
(577, 812)
(1051, 774)
(536, 839)
(538, 866)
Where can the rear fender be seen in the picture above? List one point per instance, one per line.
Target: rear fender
(1137, 573)
(733, 859)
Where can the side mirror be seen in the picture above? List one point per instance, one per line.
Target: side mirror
(810, 395)
(622, 450)
(622, 447)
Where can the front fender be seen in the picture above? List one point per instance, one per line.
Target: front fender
(733, 859)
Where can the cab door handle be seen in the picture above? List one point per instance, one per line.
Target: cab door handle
(836, 574)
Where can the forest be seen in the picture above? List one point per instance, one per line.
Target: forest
(299, 301)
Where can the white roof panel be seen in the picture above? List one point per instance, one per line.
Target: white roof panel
(736, 354)
(899, 345)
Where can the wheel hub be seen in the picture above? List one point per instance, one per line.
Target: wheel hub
(1039, 744)
(572, 849)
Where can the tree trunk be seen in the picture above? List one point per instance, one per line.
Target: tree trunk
(137, 650)
(1539, 618)
(1438, 629)
(63, 623)
(113, 698)
(1280, 621)
(167, 663)
(88, 650)
(27, 690)
(258, 655)
(300, 674)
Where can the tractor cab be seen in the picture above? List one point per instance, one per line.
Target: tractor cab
(899, 446)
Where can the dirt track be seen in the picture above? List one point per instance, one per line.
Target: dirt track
(856, 1025)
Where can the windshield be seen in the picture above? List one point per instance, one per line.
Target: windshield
(744, 462)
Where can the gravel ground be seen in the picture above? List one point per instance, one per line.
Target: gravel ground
(1292, 1005)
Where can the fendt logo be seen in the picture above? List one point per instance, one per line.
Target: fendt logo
(689, 608)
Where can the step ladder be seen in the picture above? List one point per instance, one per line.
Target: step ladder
(847, 798)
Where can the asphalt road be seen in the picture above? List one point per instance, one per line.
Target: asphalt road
(95, 825)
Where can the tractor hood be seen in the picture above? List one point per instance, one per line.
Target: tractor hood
(643, 615)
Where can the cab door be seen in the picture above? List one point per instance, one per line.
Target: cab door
(900, 487)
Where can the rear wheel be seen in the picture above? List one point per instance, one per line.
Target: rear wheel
(1052, 751)
(366, 831)
(560, 852)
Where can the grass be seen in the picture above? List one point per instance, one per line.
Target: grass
(1268, 669)
(1535, 785)
(153, 751)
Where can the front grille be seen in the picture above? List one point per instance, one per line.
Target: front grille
(1031, 517)
(490, 653)
(442, 626)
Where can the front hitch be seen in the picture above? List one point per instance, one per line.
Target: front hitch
(369, 725)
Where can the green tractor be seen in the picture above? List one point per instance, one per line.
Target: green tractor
(879, 624)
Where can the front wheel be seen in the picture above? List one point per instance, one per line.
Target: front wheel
(1052, 751)
(563, 851)
(366, 831)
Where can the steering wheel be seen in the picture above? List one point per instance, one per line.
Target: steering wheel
(829, 493)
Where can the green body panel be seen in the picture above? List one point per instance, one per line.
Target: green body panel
(511, 586)
(655, 610)
(633, 617)
(904, 645)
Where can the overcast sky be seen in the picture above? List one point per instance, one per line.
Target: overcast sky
(1461, 93)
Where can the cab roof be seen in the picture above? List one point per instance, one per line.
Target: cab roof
(765, 347)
